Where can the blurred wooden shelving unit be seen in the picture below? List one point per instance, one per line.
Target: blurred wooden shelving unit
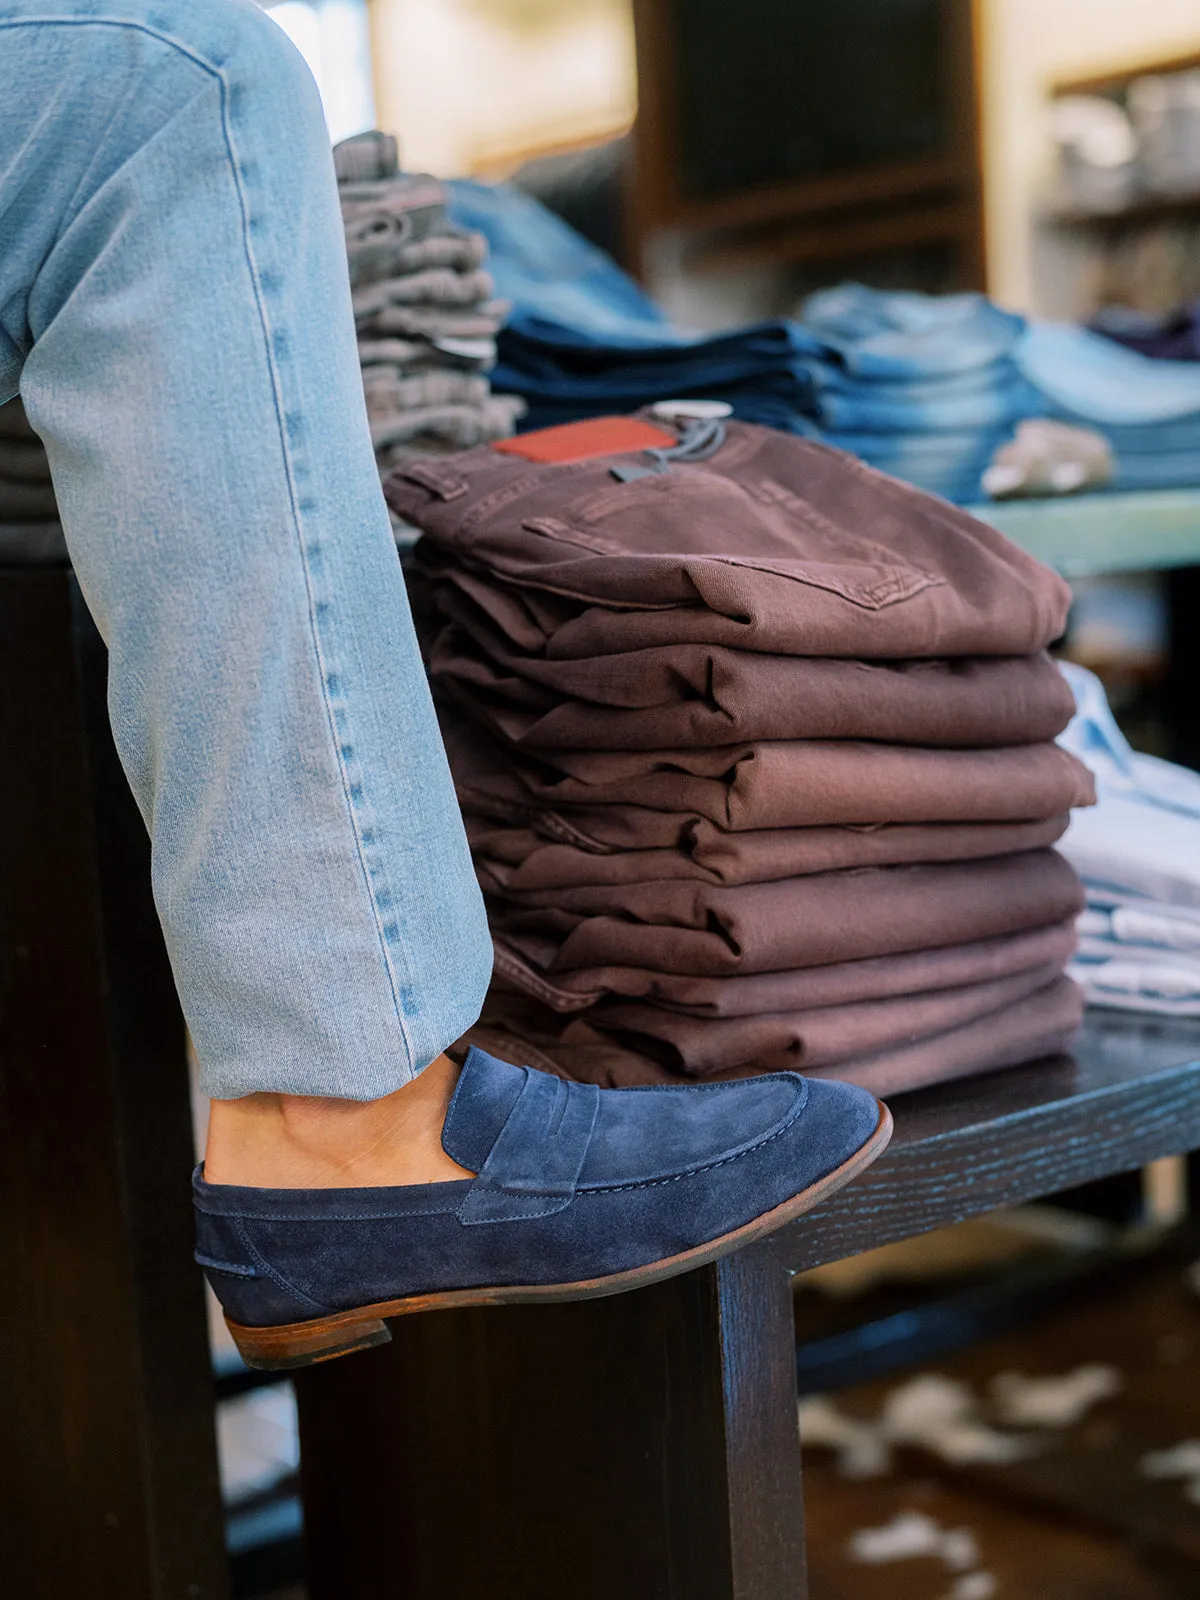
(745, 149)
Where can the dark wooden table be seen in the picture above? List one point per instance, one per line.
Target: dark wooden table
(108, 1473)
(646, 1446)
(638, 1448)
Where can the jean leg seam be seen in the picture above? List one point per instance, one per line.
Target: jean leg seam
(323, 661)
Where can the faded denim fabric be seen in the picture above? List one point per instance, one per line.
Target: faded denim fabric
(922, 386)
(1148, 410)
(561, 286)
(949, 464)
(901, 334)
(175, 309)
(927, 387)
(583, 338)
(888, 408)
(1087, 378)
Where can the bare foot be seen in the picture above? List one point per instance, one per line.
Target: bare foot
(278, 1141)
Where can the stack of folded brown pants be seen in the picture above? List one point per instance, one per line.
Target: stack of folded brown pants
(756, 751)
(29, 527)
(426, 321)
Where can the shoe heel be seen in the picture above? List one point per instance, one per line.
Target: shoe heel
(302, 1344)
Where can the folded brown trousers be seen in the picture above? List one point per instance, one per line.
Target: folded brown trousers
(1042, 1025)
(840, 983)
(813, 782)
(799, 1041)
(512, 859)
(496, 783)
(707, 930)
(704, 695)
(774, 543)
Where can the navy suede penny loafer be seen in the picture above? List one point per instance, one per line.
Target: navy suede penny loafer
(579, 1192)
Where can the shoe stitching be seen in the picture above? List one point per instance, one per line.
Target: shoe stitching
(211, 1264)
(708, 1166)
(276, 1278)
(552, 1208)
(329, 1216)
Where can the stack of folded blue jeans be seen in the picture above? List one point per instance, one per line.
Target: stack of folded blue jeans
(1138, 853)
(423, 307)
(1147, 409)
(929, 387)
(1173, 337)
(583, 339)
(925, 387)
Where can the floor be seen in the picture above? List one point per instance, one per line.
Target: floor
(1015, 1553)
(1060, 1461)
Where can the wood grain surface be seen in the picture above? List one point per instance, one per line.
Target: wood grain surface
(1129, 1094)
(108, 1474)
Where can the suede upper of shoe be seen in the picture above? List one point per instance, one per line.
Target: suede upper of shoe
(573, 1184)
(634, 1136)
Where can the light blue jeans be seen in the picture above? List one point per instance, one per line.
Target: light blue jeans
(1089, 379)
(902, 335)
(175, 310)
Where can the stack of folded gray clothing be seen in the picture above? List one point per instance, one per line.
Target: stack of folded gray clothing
(426, 320)
(30, 531)
(756, 751)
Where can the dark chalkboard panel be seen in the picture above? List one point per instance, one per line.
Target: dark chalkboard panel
(774, 91)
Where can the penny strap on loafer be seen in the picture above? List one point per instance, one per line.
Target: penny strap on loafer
(533, 1167)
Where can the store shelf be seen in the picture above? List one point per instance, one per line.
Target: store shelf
(1135, 212)
(1087, 535)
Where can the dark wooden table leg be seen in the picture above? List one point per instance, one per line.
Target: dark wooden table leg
(1183, 676)
(108, 1481)
(762, 1435)
(641, 1446)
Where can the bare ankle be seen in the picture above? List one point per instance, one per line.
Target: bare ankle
(278, 1141)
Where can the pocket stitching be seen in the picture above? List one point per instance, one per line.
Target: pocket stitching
(893, 581)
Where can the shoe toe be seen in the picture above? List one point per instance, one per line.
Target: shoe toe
(837, 1120)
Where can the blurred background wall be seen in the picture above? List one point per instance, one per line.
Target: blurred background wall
(1027, 44)
(334, 36)
(477, 86)
(473, 85)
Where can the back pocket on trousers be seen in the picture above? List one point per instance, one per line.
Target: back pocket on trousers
(759, 526)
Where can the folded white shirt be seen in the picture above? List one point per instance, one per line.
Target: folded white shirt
(1140, 923)
(1141, 841)
(1139, 985)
